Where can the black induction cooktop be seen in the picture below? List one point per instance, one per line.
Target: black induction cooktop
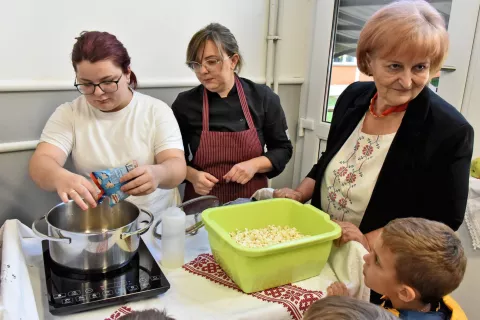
(70, 292)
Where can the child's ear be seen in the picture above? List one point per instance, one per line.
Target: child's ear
(407, 294)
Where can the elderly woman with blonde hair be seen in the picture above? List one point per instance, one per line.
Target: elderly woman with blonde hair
(395, 148)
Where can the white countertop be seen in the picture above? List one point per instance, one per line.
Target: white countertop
(24, 294)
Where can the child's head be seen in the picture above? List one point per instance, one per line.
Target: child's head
(415, 259)
(345, 308)
(151, 314)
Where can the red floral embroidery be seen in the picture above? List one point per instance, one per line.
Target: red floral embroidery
(274, 292)
(332, 196)
(119, 313)
(307, 301)
(367, 150)
(199, 263)
(292, 295)
(342, 171)
(349, 173)
(294, 299)
(351, 177)
(210, 267)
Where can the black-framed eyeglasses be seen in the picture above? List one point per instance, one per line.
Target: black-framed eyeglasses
(89, 88)
(210, 64)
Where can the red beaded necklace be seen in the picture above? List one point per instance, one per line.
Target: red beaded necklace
(390, 110)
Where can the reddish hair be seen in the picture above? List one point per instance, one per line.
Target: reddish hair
(96, 46)
(410, 28)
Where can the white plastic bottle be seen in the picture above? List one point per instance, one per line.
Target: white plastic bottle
(173, 238)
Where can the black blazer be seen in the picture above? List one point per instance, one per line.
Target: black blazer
(426, 171)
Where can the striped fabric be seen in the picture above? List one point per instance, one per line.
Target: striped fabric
(218, 152)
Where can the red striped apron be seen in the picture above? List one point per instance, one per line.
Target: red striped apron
(218, 152)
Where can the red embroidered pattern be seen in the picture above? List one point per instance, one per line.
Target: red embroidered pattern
(295, 299)
(342, 171)
(348, 174)
(120, 312)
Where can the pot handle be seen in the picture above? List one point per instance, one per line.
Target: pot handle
(192, 230)
(44, 236)
(139, 231)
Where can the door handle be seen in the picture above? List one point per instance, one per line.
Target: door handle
(448, 69)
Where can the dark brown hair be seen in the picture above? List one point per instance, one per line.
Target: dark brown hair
(96, 46)
(223, 39)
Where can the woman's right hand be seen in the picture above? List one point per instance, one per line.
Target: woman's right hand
(288, 193)
(203, 182)
(77, 188)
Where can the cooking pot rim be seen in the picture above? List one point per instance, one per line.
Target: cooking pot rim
(84, 233)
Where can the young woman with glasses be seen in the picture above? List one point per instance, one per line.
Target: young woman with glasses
(227, 121)
(107, 126)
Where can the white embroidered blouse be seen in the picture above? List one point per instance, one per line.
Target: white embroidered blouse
(351, 175)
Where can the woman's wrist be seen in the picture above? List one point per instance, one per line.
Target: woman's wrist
(302, 196)
(58, 176)
(169, 173)
(190, 173)
(261, 164)
(306, 189)
(158, 171)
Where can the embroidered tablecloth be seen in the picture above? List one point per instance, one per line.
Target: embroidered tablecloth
(195, 293)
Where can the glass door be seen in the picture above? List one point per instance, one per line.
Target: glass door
(332, 65)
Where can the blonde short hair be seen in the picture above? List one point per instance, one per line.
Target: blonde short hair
(409, 27)
(429, 257)
(345, 308)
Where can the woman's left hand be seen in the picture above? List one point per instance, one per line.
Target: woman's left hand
(241, 172)
(144, 181)
(350, 232)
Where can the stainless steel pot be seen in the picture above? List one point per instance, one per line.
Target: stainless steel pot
(97, 240)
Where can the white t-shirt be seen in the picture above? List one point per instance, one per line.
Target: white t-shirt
(98, 140)
(350, 177)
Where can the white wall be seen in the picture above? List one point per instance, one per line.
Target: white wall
(466, 294)
(294, 28)
(156, 34)
(471, 98)
(37, 36)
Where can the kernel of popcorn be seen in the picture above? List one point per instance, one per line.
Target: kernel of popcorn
(263, 237)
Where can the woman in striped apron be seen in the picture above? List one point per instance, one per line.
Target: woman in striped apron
(227, 121)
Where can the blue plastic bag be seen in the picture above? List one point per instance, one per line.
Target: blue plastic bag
(108, 181)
